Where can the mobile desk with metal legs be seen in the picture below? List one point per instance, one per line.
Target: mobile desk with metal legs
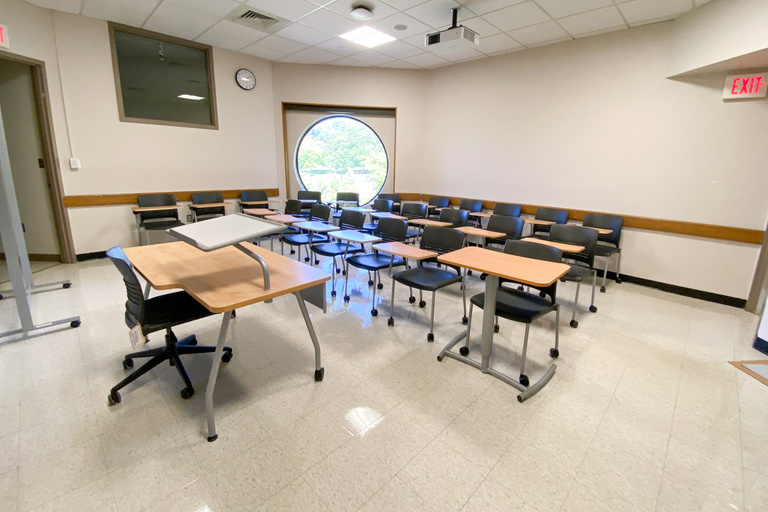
(497, 264)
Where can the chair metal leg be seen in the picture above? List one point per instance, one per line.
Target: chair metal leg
(464, 319)
(525, 354)
(391, 320)
(605, 274)
(374, 311)
(431, 335)
(555, 352)
(465, 349)
(618, 269)
(346, 280)
(592, 307)
(574, 323)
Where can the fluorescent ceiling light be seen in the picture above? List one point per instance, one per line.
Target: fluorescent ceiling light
(367, 37)
(190, 97)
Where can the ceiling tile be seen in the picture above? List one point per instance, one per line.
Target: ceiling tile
(485, 6)
(399, 64)
(498, 43)
(236, 31)
(380, 9)
(419, 40)
(371, 57)
(263, 53)
(399, 49)
(437, 13)
(592, 21)
(413, 26)
(302, 34)
(517, 16)
(482, 27)
(281, 44)
(292, 10)
(329, 22)
(427, 60)
(116, 13)
(70, 6)
(561, 9)
(171, 17)
(221, 41)
(134, 4)
(346, 61)
(642, 11)
(311, 56)
(341, 47)
(461, 55)
(537, 34)
(218, 8)
(404, 4)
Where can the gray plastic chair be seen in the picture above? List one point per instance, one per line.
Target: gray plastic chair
(510, 210)
(608, 244)
(555, 215)
(158, 220)
(583, 264)
(200, 214)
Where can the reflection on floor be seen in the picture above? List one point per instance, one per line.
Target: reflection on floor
(36, 267)
(644, 412)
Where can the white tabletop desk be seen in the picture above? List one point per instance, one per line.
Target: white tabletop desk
(498, 264)
(228, 278)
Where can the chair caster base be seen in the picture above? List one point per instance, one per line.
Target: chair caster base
(464, 351)
(293, 252)
(469, 272)
(524, 380)
(618, 280)
(343, 272)
(66, 285)
(234, 313)
(113, 398)
(226, 356)
(212, 438)
(430, 337)
(602, 289)
(411, 299)
(380, 286)
(553, 352)
(73, 323)
(187, 393)
(483, 276)
(574, 323)
(319, 374)
(346, 298)
(422, 304)
(496, 328)
(306, 260)
(593, 309)
(391, 322)
(127, 364)
(333, 293)
(464, 320)
(439, 359)
(370, 282)
(374, 312)
(338, 271)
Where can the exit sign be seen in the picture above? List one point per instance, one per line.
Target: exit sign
(4, 37)
(745, 86)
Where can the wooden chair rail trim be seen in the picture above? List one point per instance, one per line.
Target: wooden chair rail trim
(113, 199)
(733, 234)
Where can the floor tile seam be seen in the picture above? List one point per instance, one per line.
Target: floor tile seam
(68, 491)
(301, 476)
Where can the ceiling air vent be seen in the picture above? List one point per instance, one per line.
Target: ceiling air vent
(259, 20)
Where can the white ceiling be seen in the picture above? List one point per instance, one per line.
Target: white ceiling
(312, 35)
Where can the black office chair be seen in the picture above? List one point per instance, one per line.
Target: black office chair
(413, 211)
(158, 220)
(389, 230)
(512, 227)
(583, 264)
(308, 195)
(349, 219)
(345, 196)
(510, 210)
(199, 214)
(440, 240)
(254, 195)
(522, 306)
(472, 206)
(157, 314)
(436, 202)
(551, 214)
(318, 212)
(395, 198)
(608, 244)
(457, 218)
(379, 205)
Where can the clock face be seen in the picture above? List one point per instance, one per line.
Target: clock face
(245, 79)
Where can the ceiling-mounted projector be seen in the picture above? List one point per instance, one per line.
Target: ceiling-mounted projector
(453, 39)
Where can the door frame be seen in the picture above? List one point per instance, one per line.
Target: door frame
(52, 169)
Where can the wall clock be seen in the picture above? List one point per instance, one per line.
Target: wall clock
(245, 79)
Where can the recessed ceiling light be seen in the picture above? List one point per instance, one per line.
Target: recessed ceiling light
(361, 13)
(367, 37)
(190, 97)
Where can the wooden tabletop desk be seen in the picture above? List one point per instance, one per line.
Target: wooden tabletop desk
(209, 205)
(601, 231)
(316, 226)
(429, 222)
(473, 231)
(387, 215)
(253, 203)
(559, 245)
(258, 212)
(537, 222)
(285, 219)
(356, 237)
(143, 209)
(363, 209)
(482, 215)
(498, 264)
(226, 279)
(404, 251)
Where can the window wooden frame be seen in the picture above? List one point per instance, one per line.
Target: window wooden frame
(169, 39)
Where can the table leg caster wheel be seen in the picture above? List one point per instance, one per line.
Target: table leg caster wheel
(374, 312)
(213, 438)
(618, 280)
(319, 374)
(74, 323)
(380, 286)
(524, 380)
(66, 285)
(574, 323)
(127, 364)
(391, 322)
(187, 393)
(602, 289)
(333, 293)
(593, 309)
(422, 304)
(553, 352)
(496, 328)
(346, 298)
(464, 320)
(370, 282)
(411, 299)
(113, 398)
(464, 351)
(226, 357)
(430, 337)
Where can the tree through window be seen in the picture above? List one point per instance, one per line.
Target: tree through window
(341, 154)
